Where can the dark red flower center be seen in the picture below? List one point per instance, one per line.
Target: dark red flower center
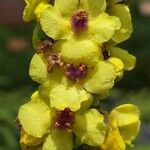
(76, 73)
(79, 21)
(64, 119)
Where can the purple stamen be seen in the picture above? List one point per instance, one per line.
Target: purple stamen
(64, 119)
(79, 21)
(76, 73)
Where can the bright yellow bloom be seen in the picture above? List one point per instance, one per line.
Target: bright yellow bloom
(127, 59)
(123, 127)
(33, 9)
(119, 66)
(122, 11)
(40, 121)
(70, 19)
(113, 140)
(99, 79)
(120, 58)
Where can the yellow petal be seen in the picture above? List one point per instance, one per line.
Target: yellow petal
(93, 8)
(38, 69)
(117, 63)
(128, 60)
(62, 97)
(53, 24)
(103, 27)
(66, 7)
(119, 66)
(125, 114)
(54, 79)
(90, 128)
(130, 132)
(39, 9)
(123, 12)
(113, 140)
(35, 117)
(79, 51)
(58, 140)
(32, 6)
(28, 141)
(101, 78)
(127, 117)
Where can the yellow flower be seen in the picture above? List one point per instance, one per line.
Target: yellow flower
(123, 13)
(40, 121)
(62, 83)
(33, 9)
(120, 58)
(85, 18)
(123, 127)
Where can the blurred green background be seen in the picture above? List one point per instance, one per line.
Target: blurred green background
(16, 87)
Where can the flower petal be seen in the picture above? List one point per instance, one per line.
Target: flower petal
(113, 140)
(58, 140)
(67, 7)
(126, 114)
(127, 117)
(79, 51)
(101, 78)
(31, 5)
(28, 141)
(54, 79)
(103, 27)
(127, 59)
(38, 69)
(93, 8)
(35, 117)
(71, 97)
(53, 24)
(130, 132)
(119, 66)
(90, 128)
(123, 12)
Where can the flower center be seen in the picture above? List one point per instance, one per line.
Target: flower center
(76, 73)
(64, 119)
(79, 21)
(44, 46)
(54, 60)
